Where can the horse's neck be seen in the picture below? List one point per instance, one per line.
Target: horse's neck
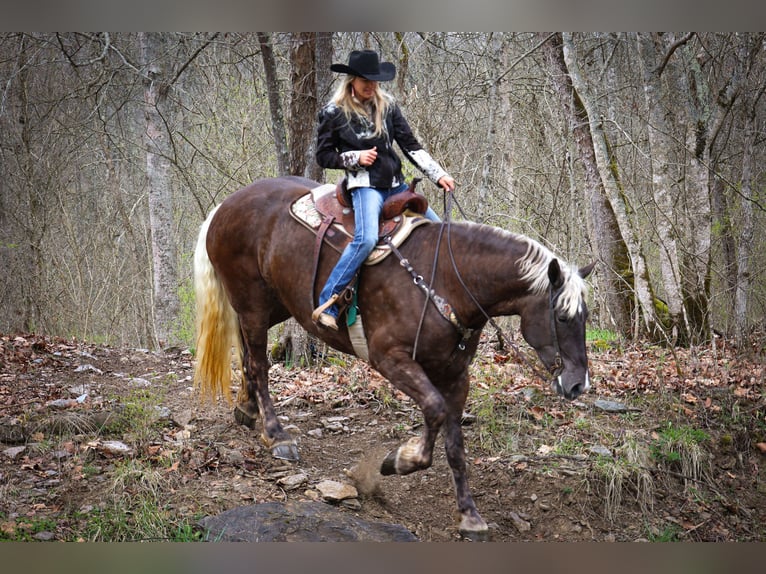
(488, 263)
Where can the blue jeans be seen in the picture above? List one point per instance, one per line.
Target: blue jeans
(367, 202)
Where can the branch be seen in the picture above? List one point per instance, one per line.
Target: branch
(192, 58)
(525, 54)
(670, 51)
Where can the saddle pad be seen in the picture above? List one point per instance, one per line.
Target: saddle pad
(304, 210)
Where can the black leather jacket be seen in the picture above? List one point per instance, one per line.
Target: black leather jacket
(340, 140)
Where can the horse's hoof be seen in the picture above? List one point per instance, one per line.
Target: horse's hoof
(242, 417)
(388, 466)
(473, 528)
(475, 535)
(285, 451)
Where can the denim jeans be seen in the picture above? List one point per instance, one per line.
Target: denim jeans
(367, 202)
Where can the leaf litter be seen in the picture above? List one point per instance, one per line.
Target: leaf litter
(74, 423)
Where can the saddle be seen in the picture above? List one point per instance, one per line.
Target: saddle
(338, 206)
(327, 212)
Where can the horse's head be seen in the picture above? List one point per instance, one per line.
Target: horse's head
(553, 323)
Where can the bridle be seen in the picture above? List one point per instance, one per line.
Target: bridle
(556, 368)
(558, 362)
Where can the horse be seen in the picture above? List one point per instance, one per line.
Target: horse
(252, 267)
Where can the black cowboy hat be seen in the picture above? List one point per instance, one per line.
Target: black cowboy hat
(365, 63)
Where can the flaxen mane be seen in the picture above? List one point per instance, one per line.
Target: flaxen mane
(534, 268)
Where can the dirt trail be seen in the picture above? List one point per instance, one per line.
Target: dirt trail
(102, 443)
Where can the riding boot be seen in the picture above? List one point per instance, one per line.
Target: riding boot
(322, 317)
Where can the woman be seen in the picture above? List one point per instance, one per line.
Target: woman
(357, 129)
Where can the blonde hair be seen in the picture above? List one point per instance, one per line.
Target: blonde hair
(351, 106)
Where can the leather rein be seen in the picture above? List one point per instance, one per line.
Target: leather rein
(446, 311)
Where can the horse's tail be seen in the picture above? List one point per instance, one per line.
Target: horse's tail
(217, 325)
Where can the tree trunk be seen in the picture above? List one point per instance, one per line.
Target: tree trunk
(610, 249)
(275, 104)
(303, 102)
(744, 253)
(324, 77)
(697, 252)
(490, 139)
(609, 178)
(664, 189)
(157, 138)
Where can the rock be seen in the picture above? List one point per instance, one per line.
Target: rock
(231, 456)
(115, 448)
(520, 524)
(612, 406)
(333, 491)
(600, 450)
(14, 451)
(316, 433)
(139, 382)
(78, 390)
(61, 403)
(335, 424)
(183, 418)
(44, 536)
(293, 481)
(298, 521)
(88, 367)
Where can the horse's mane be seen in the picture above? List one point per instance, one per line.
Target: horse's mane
(533, 266)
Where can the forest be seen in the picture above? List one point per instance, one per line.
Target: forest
(640, 151)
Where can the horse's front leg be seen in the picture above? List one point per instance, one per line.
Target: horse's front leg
(417, 453)
(472, 525)
(256, 373)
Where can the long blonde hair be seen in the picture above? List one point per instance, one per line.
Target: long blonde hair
(351, 106)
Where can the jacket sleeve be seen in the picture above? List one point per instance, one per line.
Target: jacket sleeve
(412, 149)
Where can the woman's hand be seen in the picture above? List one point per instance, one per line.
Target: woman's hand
(368, 156)
(446, 183)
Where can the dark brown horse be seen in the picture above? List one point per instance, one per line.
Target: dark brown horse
(254, 269)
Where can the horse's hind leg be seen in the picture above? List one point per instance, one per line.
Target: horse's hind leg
(256, 370)
(246, 411)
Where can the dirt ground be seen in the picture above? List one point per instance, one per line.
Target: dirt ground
(104, 443)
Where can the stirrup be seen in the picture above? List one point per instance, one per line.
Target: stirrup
(322, 308)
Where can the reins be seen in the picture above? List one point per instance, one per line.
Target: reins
(446, 310)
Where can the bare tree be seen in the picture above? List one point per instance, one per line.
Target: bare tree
(611, 182)
(275, 103)
(654, 52)
(610, 249)
(159, 151)
(752, 125)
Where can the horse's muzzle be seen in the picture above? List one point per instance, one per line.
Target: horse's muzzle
(572, 392)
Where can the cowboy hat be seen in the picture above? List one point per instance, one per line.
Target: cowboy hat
(365, 63)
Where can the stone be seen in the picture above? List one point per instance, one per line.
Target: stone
(520, 524)
(333, 491)
(600, 450)
(182, 418)
(115, 447)
(612, 406)
(14, 451)
(298, 521)
(293, 481)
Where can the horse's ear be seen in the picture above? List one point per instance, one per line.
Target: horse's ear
(555, 276)
(585, 271)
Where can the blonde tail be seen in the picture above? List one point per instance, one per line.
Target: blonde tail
(217, 325)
